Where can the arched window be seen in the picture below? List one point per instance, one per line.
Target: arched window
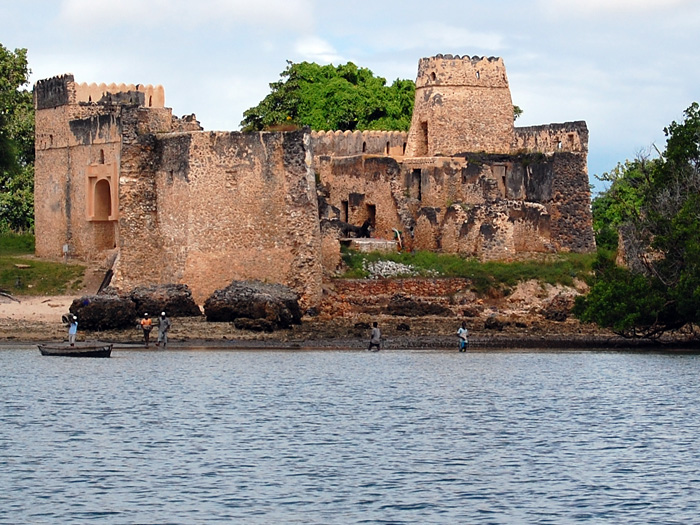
(102, 156)
(364, 147)
(433, 77)
(103, 200)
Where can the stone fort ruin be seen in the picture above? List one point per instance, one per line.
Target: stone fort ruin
(119, 178)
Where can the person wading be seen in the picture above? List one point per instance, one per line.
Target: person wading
(163, 327)
(375, 338)
(146, 326)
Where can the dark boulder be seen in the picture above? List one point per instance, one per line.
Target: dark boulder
(405, 306)
(472, 310)
(254, 325)
(275, 303)
(494, 323)
(173, 299)
(104, 311)
(559, 308)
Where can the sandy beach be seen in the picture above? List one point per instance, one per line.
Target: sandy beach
(32, 319)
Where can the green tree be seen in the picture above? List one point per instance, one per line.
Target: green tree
(327, 97)
(655, 205)
(16, 142)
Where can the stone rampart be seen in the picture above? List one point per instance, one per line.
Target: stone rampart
(345, 143)
(461, 105)
(206, 208)
(553, 138)
(143, 95)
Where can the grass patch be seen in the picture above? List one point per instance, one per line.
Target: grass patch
(23, 276)
(16, 243)
(485, 276)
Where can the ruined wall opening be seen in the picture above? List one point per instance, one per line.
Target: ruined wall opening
(102, 201)
(422, 140)
(344, 211)
(372, 214)
(415, 190)
(499, 173)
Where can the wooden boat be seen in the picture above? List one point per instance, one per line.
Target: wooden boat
(96, 349)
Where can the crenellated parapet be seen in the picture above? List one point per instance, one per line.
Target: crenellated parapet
(64, 91)
(346, 143)
(55, 91)
(143, 95)
(462, 104)
(553, 138)
(448, 70)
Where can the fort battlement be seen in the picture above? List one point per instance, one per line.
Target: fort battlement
(448, 70)
(63, 90)
(153, 96)
(462, 105)
(116, 173)
(553, 138)
(346, 143)
(55, 91)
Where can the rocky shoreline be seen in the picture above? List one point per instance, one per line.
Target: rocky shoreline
(426, 332)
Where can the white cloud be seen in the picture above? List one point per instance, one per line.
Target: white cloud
(315, 49)
(188, 13)
(596, 7)
(438, 36)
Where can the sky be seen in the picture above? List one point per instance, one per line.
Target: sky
(627, 67)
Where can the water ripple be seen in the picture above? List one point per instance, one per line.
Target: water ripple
(348, 437)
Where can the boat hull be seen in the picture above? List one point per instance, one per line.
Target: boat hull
(97, 350)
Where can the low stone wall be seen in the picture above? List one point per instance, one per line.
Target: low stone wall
(444, 287)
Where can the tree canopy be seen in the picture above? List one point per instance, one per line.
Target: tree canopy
(327, 97)
(655, 205)
(16, 142)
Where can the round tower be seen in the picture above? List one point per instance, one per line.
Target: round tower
(462, 105)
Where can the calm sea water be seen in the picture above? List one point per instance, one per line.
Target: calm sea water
(211, 436)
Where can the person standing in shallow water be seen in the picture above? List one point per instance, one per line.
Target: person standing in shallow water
(375, 338)
(163, 327)
(72, 330)
(463, 334)
(146, 326)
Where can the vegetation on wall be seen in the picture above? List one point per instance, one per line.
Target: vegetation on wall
(344, 97)
(16, 143)
(655, 205)
(485, 276)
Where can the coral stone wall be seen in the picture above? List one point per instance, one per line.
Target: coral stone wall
(345, 143)
(570, 205)
(74, 146)
(493, 206)
(214, 207)
(461, 105)
(553, 138)
(363, 187)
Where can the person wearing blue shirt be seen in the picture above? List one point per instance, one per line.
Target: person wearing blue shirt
(72, 330)
(463, 334)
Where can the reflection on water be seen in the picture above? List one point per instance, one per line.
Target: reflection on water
(349, 437)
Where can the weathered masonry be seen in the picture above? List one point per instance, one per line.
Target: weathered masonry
(119, 177)
(464, 179)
